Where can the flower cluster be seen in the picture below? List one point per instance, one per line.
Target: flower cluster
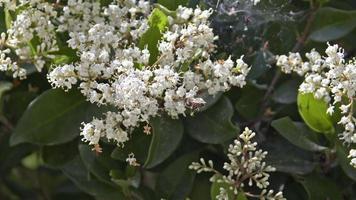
(330, 78)
(6, 63)
(114, 69)
(245, 166)
(32, 35)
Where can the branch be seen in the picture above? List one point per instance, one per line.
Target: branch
(297, 47)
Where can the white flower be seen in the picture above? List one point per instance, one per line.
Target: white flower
(330, 78)
(245, 166)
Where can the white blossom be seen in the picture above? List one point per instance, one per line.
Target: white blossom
(114, 71)
(245, 166)
(330, 78)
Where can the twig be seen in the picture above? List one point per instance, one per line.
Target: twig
(297, 47)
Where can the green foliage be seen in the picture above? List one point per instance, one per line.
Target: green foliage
(313, 112)
(47, 160)
(173, 4)
(332, 24)
(218, 127)
(167, 134)
(158, 21)
(173, 184)
(53, 118)
(294, 135)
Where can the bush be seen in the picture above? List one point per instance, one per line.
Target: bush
(177, 99)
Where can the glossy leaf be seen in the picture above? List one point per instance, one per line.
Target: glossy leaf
(176, 181)
(259, 65)
(98, 164)
(331, 24)
(167, 134)
(217, 127)
(58, 155)
(288, 158)
(293, 134)
(249, 105)
(4, 86)
(138, 144)
(344, 161)
(76, 171)
(287, 92)
(321, 188)
(53, 118)
(313, 112)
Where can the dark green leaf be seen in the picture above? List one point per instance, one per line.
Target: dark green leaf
(291, 132)
(58, 155)
(259, 65)
(288, 158)
(210, 100)
(4, 86)
(76, 171)
(331, 24)
(321, 188)
(313, 112)
(200, 188)
(53, 118)
(344, 161)
(214, 125)
(98, 164)
(138, 144)
(167, 134)
(176, 181)
(249, 105)
(287, 92)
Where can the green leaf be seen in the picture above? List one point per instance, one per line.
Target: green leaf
(4, 86)
(288, 158)
(259, 65)
(98, 164)
(200, 188)
(76, 171)
(138, 144)
(331, 24)
(158, 22)
(173, 4)
(58, 155)
(176, 181)
(313, 112)
(287, 92)
(321, 188)
(210, 100)
(167, 134)
(32, 161)
(214, 125)
(8, 19)
(249, 105)
(344, 161)
(54, 117)
(293, 134)
(215, 191)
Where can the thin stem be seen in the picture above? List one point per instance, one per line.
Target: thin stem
(297, 47)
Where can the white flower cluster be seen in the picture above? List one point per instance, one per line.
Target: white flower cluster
(245, 166)
(32, 35)
(6, 64)
(330, 78)
(114, 71)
